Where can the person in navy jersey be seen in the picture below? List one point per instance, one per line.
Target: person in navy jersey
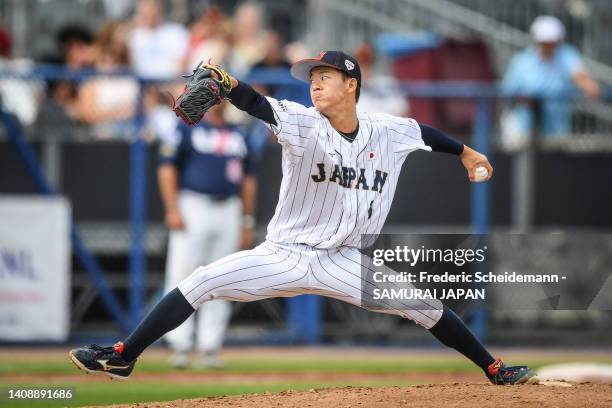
(207, 183)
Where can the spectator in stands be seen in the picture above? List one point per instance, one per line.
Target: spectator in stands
(109, 101)
(297, 51)
(274, 59)
(551, 70)
(235, 43)
(210, 38)
(59, 108)
(274, 55)
(75, 44)
(379, 93)
(249, 41)
(17, 96)
(157, 49)
(113, 37)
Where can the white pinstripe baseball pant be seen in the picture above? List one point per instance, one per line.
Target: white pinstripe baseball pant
(286, 270)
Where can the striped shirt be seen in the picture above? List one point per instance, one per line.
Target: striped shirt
(333, 191)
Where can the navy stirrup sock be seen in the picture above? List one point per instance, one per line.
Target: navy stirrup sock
(453, 332)
(167, 315)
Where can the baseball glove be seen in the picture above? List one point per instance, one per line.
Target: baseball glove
(202, 92)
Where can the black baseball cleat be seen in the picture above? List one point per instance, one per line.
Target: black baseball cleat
(501, 374)
(106, 360)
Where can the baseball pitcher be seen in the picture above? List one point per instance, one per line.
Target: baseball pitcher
(340, 171)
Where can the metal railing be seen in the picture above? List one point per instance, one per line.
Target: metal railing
(587, 22)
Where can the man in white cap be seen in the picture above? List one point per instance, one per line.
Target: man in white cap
(551, 70)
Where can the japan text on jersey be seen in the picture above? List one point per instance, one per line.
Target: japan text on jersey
(333, 191)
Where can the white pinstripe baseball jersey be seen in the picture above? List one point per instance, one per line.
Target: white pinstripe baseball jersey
(334, 191)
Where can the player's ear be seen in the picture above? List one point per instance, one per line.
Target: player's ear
(351, 84)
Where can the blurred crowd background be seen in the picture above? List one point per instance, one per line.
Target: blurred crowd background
(85, 79)
(395, 41)
(113, 45)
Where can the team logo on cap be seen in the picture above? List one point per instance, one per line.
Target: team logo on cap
(349, 65)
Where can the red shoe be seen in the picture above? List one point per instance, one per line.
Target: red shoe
(501, 374)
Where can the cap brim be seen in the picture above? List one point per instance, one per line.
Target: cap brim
(548, 39)
(301, 69)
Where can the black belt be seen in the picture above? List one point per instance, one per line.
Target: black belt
(218, 197)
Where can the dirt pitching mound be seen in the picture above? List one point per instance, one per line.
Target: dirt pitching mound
(435, 395)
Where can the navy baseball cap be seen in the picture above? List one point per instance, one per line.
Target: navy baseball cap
(334, 59)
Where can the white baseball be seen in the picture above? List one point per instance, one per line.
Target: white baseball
(480, 174)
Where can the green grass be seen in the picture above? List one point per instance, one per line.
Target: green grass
(54, 366)
(286, 365)
(152, 389)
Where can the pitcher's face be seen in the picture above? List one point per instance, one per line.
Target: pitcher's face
(328, 88)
